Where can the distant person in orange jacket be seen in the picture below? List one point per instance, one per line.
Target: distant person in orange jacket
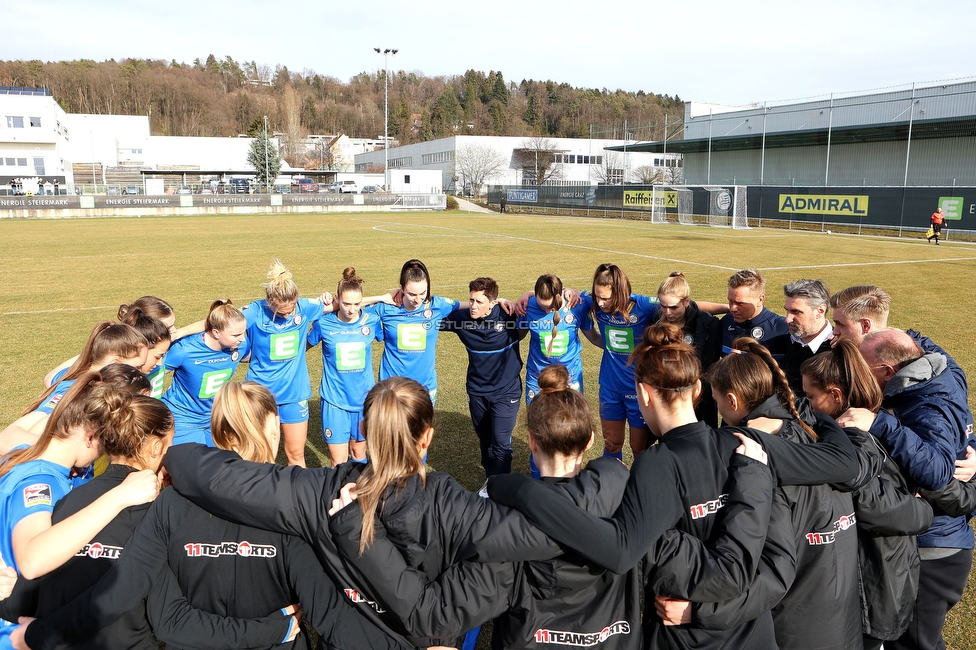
(937, 219)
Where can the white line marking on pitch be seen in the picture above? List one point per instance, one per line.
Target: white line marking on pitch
(833, 266)
(55, 311)
(553, 243)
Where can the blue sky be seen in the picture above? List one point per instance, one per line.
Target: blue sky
(732, 52)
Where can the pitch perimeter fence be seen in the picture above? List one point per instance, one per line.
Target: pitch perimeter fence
(887, 208)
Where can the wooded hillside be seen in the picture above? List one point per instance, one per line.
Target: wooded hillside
(225, 98)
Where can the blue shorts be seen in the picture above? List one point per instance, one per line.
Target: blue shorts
(293, 412)
(617, 407)
(184, 432)
(340, 426)
(532, 387)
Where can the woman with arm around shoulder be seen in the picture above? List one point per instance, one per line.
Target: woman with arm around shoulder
(889, 515)
(33, 479)
(410, 330)
(201, 364)
(347, 336)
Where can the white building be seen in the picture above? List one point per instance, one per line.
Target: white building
(34, 136)
(574, 161)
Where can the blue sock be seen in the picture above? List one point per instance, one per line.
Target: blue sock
(619, 455)
(471, 639)
(533, 469)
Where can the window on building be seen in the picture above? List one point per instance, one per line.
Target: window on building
(406, 179)
(11, 162)
(15, 122)
(39, 166)
(598, 160)
(615, 176)
(572, 159)
(35, 122)
(21, 162)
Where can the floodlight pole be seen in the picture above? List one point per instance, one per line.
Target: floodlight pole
(267, 143)
(386, 114)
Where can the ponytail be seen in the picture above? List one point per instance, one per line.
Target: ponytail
(559, 417)
(396, 415)
(666, 363)
(107, 339)
(151, 328)
(151, 305)
(221, 314)
(280, 288)
(128, 422)
(844, 368)
(69, 414)
(349, 282)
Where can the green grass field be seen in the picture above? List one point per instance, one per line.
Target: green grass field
(60, 277)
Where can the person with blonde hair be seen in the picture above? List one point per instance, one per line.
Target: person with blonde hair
(201, 364)
(253, 576)
(701, 329)
(749, 316)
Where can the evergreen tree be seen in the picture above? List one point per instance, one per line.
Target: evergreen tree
(264, 157)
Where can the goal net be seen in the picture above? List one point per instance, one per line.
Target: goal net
(719, 206)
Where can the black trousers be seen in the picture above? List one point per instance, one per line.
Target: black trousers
(493, 417)
(940, 586)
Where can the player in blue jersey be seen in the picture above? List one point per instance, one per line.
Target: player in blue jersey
(554, 329)
(347, 336)
(159, 338)
(410, 330)
(107, 343)
(277, 329)
(622, 318)
(32, 479)
(201, 364)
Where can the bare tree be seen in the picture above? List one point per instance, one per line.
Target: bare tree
(476, 164)
(539, 160)
(672, 175)
(648, 175)
(610, 171)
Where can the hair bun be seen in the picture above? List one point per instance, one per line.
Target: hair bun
(553, 378)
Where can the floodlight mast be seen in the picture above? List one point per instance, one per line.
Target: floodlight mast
(386, 114)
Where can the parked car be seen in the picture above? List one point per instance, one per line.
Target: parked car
(282, 189)
(112, 190)
(334, 188)
(240, 185)
(133, 189)
(206, 190)
(184, 189)
(370, 189)
(304, 186)
(349, 187)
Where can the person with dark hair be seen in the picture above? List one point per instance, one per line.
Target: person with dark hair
(937, 219)
(810, 330)
(410, 329)
(347, 336)
(925, 427)
(749, 316)
(494, 385)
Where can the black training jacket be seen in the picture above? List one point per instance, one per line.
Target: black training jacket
(223, 568)
(434, 527)
(558, 603)
(889, 516)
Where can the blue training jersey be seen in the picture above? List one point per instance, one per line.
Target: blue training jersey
(565, 346)
(278, 348)
(620, 337)
(410, 339)
(198, 373)
(156, 377)
(29, 488)
(347, 357)
(47, 406)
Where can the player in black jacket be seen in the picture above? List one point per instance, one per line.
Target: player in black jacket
(889, 515)
(547, 604)
(135, 436)
(681, 482)
(222, 567)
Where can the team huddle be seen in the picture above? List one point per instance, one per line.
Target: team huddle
(828, 512)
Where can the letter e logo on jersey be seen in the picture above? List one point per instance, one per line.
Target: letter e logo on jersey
(350, 356)
(284, 346)
(560, 343)
(411, 337)
(211, 382)
(619, 339)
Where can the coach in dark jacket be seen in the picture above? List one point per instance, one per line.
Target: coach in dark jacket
(925, 432)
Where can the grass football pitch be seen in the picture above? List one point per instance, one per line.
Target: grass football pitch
(60, 277)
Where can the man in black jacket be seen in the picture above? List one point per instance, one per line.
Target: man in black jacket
(810, 331)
